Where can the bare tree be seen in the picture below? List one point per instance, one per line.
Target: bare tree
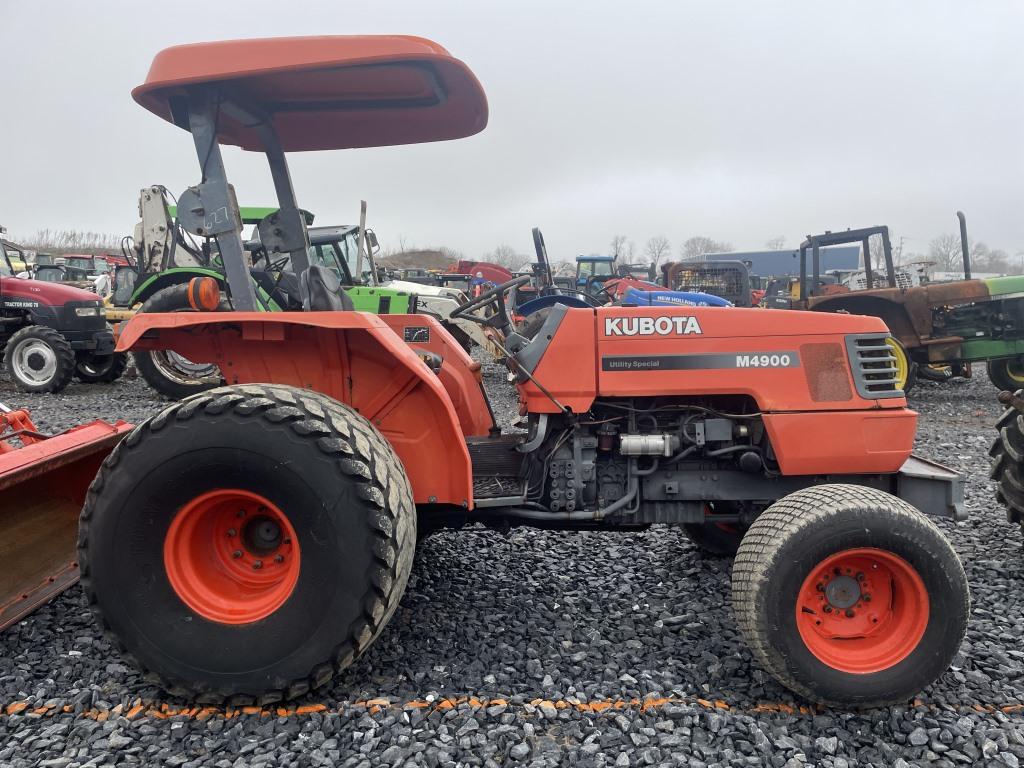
(630, 252)
(696, 247)
(618, 245)
(657, 248)
(776, 243)
(945, 251)
(506, 256)
(70, 241)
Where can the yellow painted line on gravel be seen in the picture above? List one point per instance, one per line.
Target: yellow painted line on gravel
(374, 706)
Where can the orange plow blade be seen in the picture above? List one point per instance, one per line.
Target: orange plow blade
(42, 489)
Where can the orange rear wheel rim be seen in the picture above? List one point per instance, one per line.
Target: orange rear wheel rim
(232, 556)
(862, 610)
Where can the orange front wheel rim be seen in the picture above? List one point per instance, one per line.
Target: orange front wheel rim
(862, 610)
(232, 556)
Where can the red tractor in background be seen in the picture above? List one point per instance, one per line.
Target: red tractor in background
(51, 333)
(275, 519)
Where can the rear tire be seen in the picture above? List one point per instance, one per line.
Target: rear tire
(170, 374)
(39, 359)
(863, 652)
(715, 539)
(152, 550)
(101, 370)
(1007, 374)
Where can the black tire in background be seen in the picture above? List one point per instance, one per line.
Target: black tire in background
(1007, 374)
(39, 359)
(714, 539)
(1007, 467)
(101, 370)
(785, 545)
(345, 495)
(168, 373)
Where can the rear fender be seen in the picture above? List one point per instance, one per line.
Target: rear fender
(350, 356)
(905, 313)
(460, 374)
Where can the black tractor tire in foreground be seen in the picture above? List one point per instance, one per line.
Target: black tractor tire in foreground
(39, 359)
(1007, 373)
(101, 370)
(1007, 468)
(849, 596)
(286, 507)
(168, 373)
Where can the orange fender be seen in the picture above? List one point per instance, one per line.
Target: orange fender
(353, 357)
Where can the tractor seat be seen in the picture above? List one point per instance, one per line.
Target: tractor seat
(321, 291)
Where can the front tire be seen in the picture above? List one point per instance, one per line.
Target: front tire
(248, 543)
(1007, 373)
(849, 596)
(173, 376)
(39, 359)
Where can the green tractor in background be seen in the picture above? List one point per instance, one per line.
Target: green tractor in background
(166, 257)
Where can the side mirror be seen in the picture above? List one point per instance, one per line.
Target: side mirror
(371, 241)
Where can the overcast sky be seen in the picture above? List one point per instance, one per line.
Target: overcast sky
(740, 121)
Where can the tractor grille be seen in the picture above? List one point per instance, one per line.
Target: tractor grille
(873, 366)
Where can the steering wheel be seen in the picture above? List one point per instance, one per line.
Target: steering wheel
(496, 296)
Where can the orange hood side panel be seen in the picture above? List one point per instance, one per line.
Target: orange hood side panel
(784, 360)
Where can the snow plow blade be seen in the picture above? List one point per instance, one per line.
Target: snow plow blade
(42, 489)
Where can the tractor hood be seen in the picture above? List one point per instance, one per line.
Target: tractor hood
(1001, 286)
(52, 294)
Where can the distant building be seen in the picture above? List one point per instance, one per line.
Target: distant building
(783, 263)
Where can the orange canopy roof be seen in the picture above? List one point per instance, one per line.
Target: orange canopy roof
(331, 92)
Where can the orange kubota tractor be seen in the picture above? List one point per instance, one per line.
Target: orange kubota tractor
(247, 543)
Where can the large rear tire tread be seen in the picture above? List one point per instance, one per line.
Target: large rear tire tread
(174, 298)
(65, 357)
(1007, 467)
(793, 519)
(362, 453)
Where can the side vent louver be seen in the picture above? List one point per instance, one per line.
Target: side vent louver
(873, 365)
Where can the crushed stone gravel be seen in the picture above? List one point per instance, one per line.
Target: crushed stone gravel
(541, 648)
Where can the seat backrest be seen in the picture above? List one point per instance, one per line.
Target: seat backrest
(322, 292)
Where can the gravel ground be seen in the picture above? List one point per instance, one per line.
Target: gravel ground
(542, 648)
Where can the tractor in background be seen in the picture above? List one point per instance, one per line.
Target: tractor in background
(935, 324)
(275, 519)
(52, 333)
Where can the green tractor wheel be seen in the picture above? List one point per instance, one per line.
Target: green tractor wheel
(1007, 373)
(906, 369)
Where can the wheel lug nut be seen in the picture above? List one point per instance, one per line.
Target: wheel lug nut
(828, 609)
(849, 613)
(279, 559)
(866, 598)
(257, 565)
(241, 513)
(236, 554)
(860, 576)
(232, 532)
(821, 587)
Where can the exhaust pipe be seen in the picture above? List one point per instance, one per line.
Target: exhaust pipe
(964, 248)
